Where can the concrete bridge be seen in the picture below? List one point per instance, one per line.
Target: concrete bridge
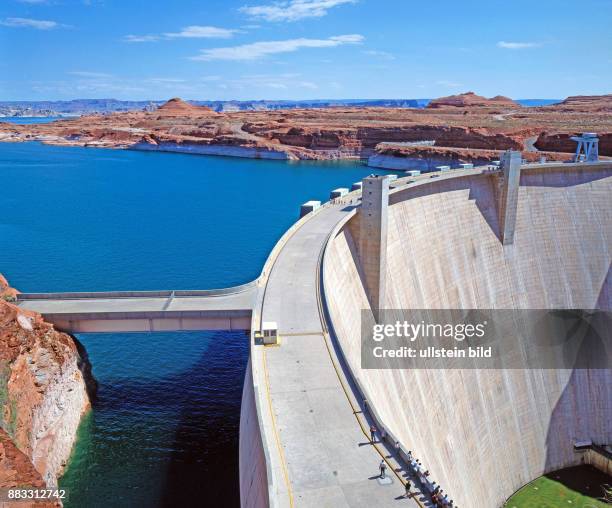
(146, 311)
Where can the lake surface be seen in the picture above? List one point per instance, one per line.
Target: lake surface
(164, 428)
(30, 119)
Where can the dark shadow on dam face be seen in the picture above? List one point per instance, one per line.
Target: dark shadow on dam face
(581, 412)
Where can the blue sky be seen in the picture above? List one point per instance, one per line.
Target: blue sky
(303, 49)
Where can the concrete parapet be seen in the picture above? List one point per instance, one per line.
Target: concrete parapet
(178, 293)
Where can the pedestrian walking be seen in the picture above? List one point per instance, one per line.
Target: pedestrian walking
(372, 434)
(407, 486)
(397, 447)
(383, 469)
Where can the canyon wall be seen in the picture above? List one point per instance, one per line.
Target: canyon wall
(561, 142)
(43, 390)
(368, 137)
(485, 433)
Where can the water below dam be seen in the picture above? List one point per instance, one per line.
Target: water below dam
(164, 426)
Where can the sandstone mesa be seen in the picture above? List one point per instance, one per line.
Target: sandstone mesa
(470, 99)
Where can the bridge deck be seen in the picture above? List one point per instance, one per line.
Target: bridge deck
(114, 312)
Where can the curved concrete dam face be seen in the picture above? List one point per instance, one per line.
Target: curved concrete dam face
(485, 433)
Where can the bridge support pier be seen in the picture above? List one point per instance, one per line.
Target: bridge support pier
(508, 195)
(373, 238)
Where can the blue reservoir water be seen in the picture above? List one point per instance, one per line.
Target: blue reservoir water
(29, 119)
(164, 425)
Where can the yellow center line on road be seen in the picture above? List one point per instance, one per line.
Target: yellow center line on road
(299, 334)
(326, 339)
(275, 429)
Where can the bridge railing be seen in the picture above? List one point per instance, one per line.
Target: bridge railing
(139, 294)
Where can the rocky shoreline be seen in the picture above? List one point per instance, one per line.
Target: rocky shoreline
(462, 122)
(224, 150)
(45, 389)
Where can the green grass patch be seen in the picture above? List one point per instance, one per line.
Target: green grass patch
(5, 373)
(559, 489)
(11, 428)
(9, 424)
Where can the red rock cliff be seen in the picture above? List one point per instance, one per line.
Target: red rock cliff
(42, 393)
(593, 103)
(17, 471)
(562, 142)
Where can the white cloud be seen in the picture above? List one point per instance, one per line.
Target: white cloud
(38, 24)
(206, 32)
(380, 54)
(210, 78)
(292, 10)
(307, 84)
(93, 82)
(282, 81)
(261, 49)
(141, 38)
(88, 74)
(517, 45)
(448, 84)
(169, 81)
(188, 32)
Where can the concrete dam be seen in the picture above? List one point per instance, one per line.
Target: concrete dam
(483, 434)
(524, 237)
